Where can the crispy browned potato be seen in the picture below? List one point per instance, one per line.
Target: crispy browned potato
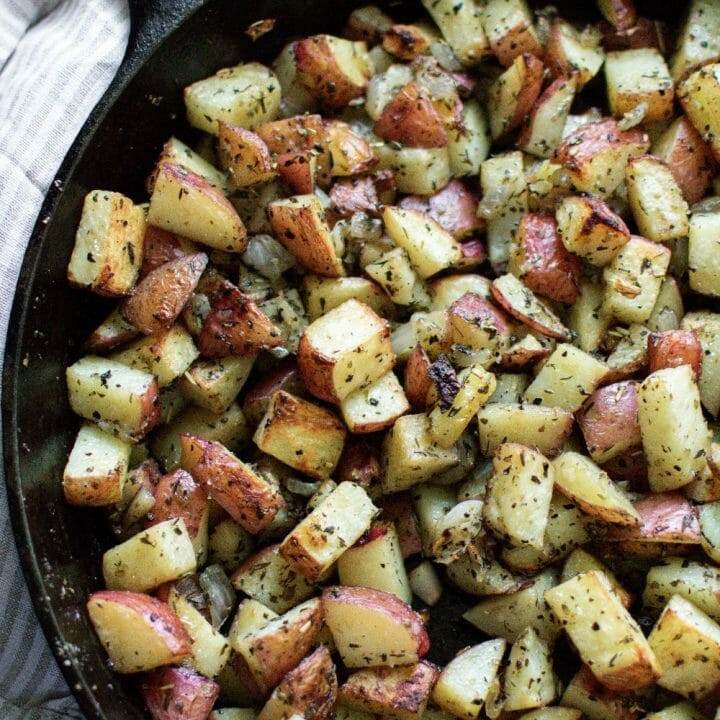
(299, 170)
(645, 33)
(688, 157)
(665, 518)
(541, 261)
(177, 495)
(309, 691)
(406, 41)
(359, 463)
(248, 498)
(609, 421)
(411, 119)
(619, 13)
(351, 195)
(334, 70)
(236, 326)
(350, 152)
(418, 383)
(161, 246)
(257, 397)
(674, 347)
(454, 208)
(179, 693)
(401, 692)
(244, 155)
(477, 323)
(160, 296)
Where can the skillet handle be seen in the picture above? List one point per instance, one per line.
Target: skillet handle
(151, 21)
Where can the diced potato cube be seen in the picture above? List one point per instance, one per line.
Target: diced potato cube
(699, 96)
(699, 40)
(509, 28)
(417, 171)
(324, 294)
(214, 384)
(707, 327)
(462, 27)
(394, 272)
(568, 53)
(704, 253)
(376, 406)
(530, 681)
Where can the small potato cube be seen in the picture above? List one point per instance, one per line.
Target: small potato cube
(425, 583)
(698, 96)
(332, 527)
(417, 171)
(108, 247)
(586, 319)
(704, 253)
(465, 682)
(299, 224)
(462, 27)
(542, 262)
(585, 483)
(689, 158)
(375, 407)
(176, 152)
(395, 274)
(510, 31)
(639, 76)
(543, 132)
(166, 355)
(518, 495)
(674, 432)
(113, 331)
(707, 327)
(333, 70)
(477, 323)
(117, 398)
(304, 436)
(449, 420)
(430, 247)
(633, 280)
(699, 40)
(350, 152)
(609, 421)
(660, 210)
(580, 561)
(324, 294)
(595, 155)
(545, 428)
(687, 645)
(567, 54)
(669, 308)
(401, 692)
(586, 693)
(160, 554)
(508, 615)
(424, 329)
(603, 631)
(567, 379)
(469, 147)
(514, 93)
(245, 95)
(96, 469)
(673, 348)
(530, 681)
(214, 384)
(630, 354)
(589, 228)
(411, 456)
(245, 155)
(346, 349)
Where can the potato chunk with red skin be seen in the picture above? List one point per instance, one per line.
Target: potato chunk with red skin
(349, 196)
(411, 119)
(398, 508)
(245, 496)
(298, 170)
(285, 376)
(359, 463)
(454, 208)
(689, 158)
(645, 33)
(609, 421)
(673, 348)
(417, 380)
(245, 155)
(405, 41)
(236, 326)
(541, 261)
(664, 518)
(176, 693)
(161, 246)
(177, 495)
(474, 321)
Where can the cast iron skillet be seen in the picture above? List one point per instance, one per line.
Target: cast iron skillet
(172, 43)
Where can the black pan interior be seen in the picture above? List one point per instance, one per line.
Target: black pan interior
(61, 546)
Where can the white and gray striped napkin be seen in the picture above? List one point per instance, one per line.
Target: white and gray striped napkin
(57, 57)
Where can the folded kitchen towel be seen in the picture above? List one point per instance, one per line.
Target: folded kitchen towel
(57, 57)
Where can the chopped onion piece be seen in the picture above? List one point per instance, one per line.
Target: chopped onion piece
(219, 592)
(266, 255)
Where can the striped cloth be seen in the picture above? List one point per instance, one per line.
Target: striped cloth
(56, 59)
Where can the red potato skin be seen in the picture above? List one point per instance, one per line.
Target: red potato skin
(295, 168)
(472, 254)
(310, 690)
(398, 508)
(179, 693)
(518, 358)
(236, 326)
(546, 267)
(411, 119)
(151, 409)
(581, 146)
(157, 614)
(454, 208)
(177, 495)
(620, 707)
(528, 96)
(475, 309)
(665, 517)
(322, 76)
(645, 33)
(376, 531)
(351, 195)
(417, 381)
(250, 503)
(691, 162)
(673, 348)
(383, 602)
(257, 398)
(353, 146)
(159, 247)
(610, 416)
(620, 13)
(359, 463)
(160, 296)
(518, 41)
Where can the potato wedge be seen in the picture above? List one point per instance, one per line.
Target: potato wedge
(462, 28)
(569, 56)
(244, 155)
(176, 152)
(510, 30)
(174, 692)
(673, 348)
(137, 631)
(580, 561)
(530, 681)
(186, 204)
(585, 693)
(697, 94)
(543, 132)
(372, 628)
